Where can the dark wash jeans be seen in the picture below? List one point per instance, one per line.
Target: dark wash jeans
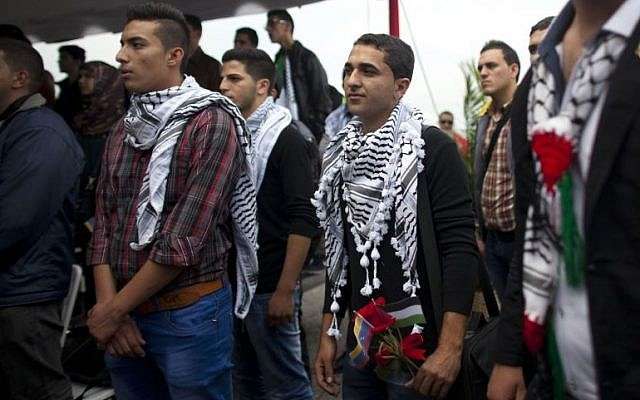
(268, 359)
(498, 255)
(30, 353)
(188, 354)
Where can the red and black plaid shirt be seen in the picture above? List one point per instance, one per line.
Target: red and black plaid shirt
(195, 224)
(498, 195)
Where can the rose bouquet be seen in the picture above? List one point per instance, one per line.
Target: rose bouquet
(390, 336)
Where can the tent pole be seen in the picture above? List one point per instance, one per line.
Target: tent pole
(394, 18)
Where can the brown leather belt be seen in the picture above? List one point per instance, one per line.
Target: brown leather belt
(180, 298)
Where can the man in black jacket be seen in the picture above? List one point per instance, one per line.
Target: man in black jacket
(300, 77)
(594, 297)
(268, 354)
(204, 68)
(40, 163)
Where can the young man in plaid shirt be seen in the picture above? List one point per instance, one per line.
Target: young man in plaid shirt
(166, 220)
(499, 68)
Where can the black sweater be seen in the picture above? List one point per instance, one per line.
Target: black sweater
(284, 204)
(453, 220)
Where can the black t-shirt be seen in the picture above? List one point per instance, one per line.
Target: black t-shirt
(454, 225)
(284, 203)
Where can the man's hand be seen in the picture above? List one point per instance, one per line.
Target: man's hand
(280, 308)
(481, 246)
(506, 383)
(438, 373)
(323, 366)
(127, 341)
(104, 320)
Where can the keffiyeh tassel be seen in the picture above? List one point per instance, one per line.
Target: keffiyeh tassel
(371, 176)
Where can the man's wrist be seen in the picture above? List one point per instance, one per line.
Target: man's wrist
(104, 297)
(324, 337)
(451, 347)
(286, 288)
(117, 308)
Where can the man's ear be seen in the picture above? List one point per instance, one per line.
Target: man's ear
(176, 56)
(263, 87)
(401, 87)
(20, 80)
(514, 70)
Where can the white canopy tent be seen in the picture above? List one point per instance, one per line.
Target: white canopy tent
(61, 20)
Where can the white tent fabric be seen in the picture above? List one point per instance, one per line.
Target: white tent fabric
(61, 20)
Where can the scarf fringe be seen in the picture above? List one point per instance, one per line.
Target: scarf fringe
(407, 147)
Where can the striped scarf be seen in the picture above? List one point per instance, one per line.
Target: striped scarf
(156, 120)
(373, 174)
(552, 237)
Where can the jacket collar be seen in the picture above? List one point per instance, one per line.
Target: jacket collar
(22, 104)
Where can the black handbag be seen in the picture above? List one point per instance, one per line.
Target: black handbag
(476, 363)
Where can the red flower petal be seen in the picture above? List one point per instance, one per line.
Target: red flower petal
(533, 335)
(412, 347)
(555, 154)
(376, 316)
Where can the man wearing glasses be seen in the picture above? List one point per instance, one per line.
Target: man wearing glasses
(300, 78)
(445, 122)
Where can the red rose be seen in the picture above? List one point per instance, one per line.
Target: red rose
(412, 347)
(384, 355)
(376, 316)
(555, 154)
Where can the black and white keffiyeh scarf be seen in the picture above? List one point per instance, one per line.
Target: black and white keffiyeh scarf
(155, 120)
(552, 237)
(373, 174)
(265, 125)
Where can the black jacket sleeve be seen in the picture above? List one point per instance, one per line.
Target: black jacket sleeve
(453, 221)
(319, 101)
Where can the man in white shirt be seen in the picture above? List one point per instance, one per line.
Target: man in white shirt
(576, 144)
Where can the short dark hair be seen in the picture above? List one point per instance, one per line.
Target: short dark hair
(10, 31)
(397, 54)
(194, 22)
(172, 27)
(509, 54)
(544, 23)
(446, 113)
(252, 34)
(257, 63)
(19, 55)
(283, 15)
(76, 52)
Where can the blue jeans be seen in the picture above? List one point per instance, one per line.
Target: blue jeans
(498, 253)
(364, 384)
(269, 358)
(188, 354)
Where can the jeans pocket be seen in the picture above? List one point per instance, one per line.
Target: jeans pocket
(200, 318)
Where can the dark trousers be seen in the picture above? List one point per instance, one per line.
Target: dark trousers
(30, 353)
(364, 384)
(498, 254)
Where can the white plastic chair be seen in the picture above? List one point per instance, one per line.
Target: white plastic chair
(70, 300)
